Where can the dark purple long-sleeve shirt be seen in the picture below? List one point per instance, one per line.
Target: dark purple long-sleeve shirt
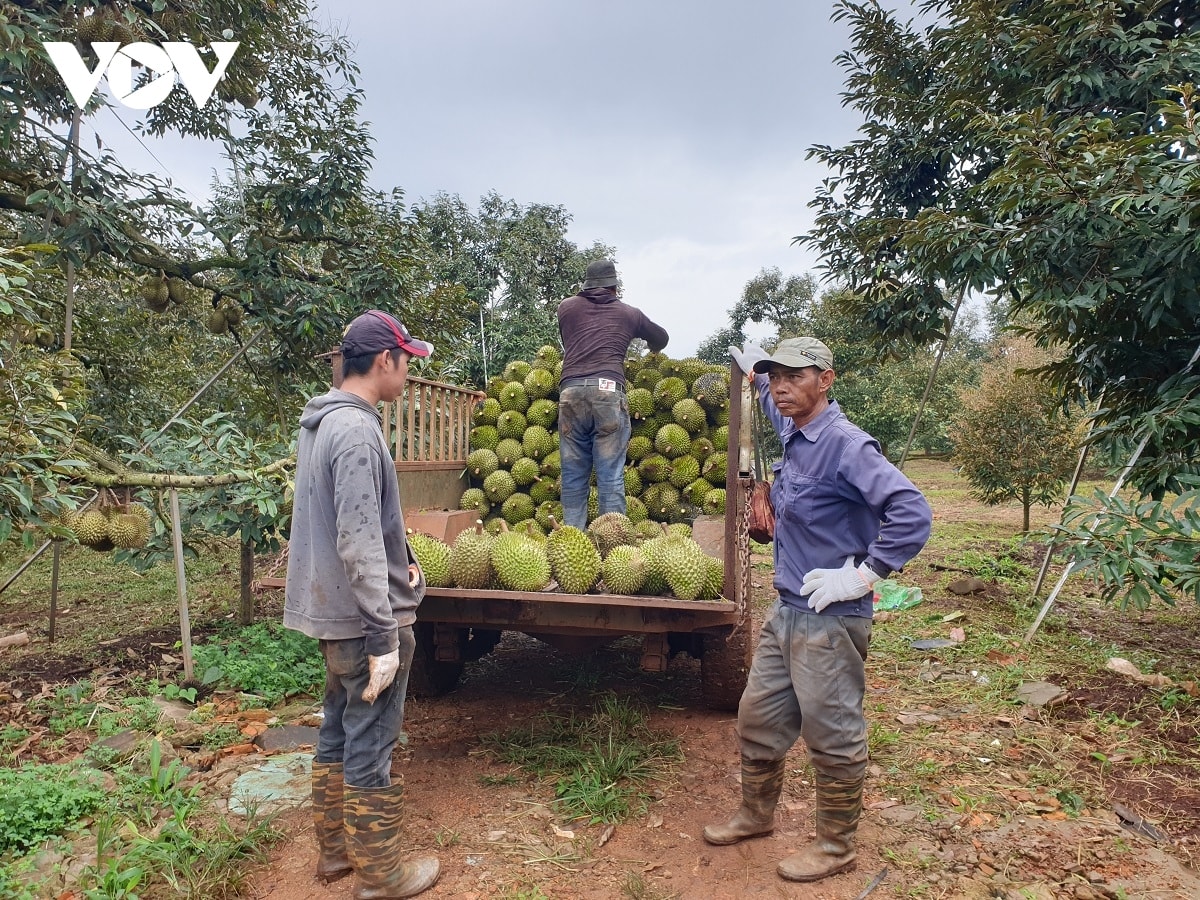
(836, 495)
(596, 330)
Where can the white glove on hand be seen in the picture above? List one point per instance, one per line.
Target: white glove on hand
(383, 671)
(835, 585)
(748, 356)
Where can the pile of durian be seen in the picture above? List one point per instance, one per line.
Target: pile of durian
(675, 463)
(110, 525)
(614, 556)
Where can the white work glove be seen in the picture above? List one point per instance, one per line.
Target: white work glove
(835, 585)
(747, 356)
(382, 671)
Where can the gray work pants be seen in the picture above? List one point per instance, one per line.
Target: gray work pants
(807, 680)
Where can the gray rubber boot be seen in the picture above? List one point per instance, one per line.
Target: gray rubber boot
(762, 782)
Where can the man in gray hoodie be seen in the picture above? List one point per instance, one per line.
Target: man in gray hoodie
(353, 583)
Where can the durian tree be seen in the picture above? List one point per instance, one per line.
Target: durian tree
(1045, 152)
(294, 241)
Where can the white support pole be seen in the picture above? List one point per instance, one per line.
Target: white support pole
(185, 625)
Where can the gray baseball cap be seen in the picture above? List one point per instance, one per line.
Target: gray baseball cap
(796, 353)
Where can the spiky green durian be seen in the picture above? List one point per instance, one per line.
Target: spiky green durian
(520, 562)
(486, 411)
(432, 556)
(499, 486)
(689, 414)
(511, 424)
(610, 530)
(481, 463)
(624, 570)
(471, 558)
(542, 412)
(574, 559)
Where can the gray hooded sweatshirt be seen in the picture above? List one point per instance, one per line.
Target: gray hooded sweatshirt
(348, 557)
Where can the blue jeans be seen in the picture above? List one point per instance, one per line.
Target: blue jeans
(594, 431)
(361, 735)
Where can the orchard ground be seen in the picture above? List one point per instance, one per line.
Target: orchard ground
(974, 789)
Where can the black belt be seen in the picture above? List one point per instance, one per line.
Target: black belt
(589, 382)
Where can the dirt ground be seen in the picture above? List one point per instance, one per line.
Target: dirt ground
(503, 841)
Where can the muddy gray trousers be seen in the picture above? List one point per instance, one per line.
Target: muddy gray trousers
(808, 680)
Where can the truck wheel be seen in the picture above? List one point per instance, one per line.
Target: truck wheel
(430, 677)
(725, 663)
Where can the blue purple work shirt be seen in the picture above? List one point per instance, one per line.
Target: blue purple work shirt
(836, 495)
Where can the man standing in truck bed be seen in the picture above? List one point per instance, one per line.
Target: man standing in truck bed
(593, 414)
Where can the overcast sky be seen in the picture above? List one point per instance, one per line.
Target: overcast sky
(674, 131)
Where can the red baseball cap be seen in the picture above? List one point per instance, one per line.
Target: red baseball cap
(376, 330)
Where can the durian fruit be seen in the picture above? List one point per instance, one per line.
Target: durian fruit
(635, 510)
(481, 463)
(525, 471)
(471, 558)
(329, 259)
(641, 403)
(714, 502)
(511, 424)
(432, 556)
(609, 531)
(92, 529)
(177, 290)
(689, 414)
(539, 384)
(543, 412)
(513, 398)
(486, 411)
(683, 470)
(508, 451)
(714, 579)
(484, 436)
(128, 531)
(548, 355)
(543, 490)
(517, 508)
(668, 392)
(711, 390)
(516, 370)
(624, 570)
(155, 293)
(216, 322)
(474, 498)
(521, 563)
(537, 442)
(96, 27)
(653, 550)
(499, 486)
(673, 440)
(683, 567)
(574, 559)
(234, 314)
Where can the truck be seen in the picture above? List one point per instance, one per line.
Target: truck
(429, 429)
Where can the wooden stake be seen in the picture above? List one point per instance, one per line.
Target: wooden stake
(185, 625)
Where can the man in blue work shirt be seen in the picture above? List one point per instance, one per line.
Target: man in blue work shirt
(844, 518)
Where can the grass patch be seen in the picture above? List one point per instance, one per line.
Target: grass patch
(601, 764)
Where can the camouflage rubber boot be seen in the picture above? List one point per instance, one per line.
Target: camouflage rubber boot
(373, 817)
(762, 782)
(839, 805)
(327, 787)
